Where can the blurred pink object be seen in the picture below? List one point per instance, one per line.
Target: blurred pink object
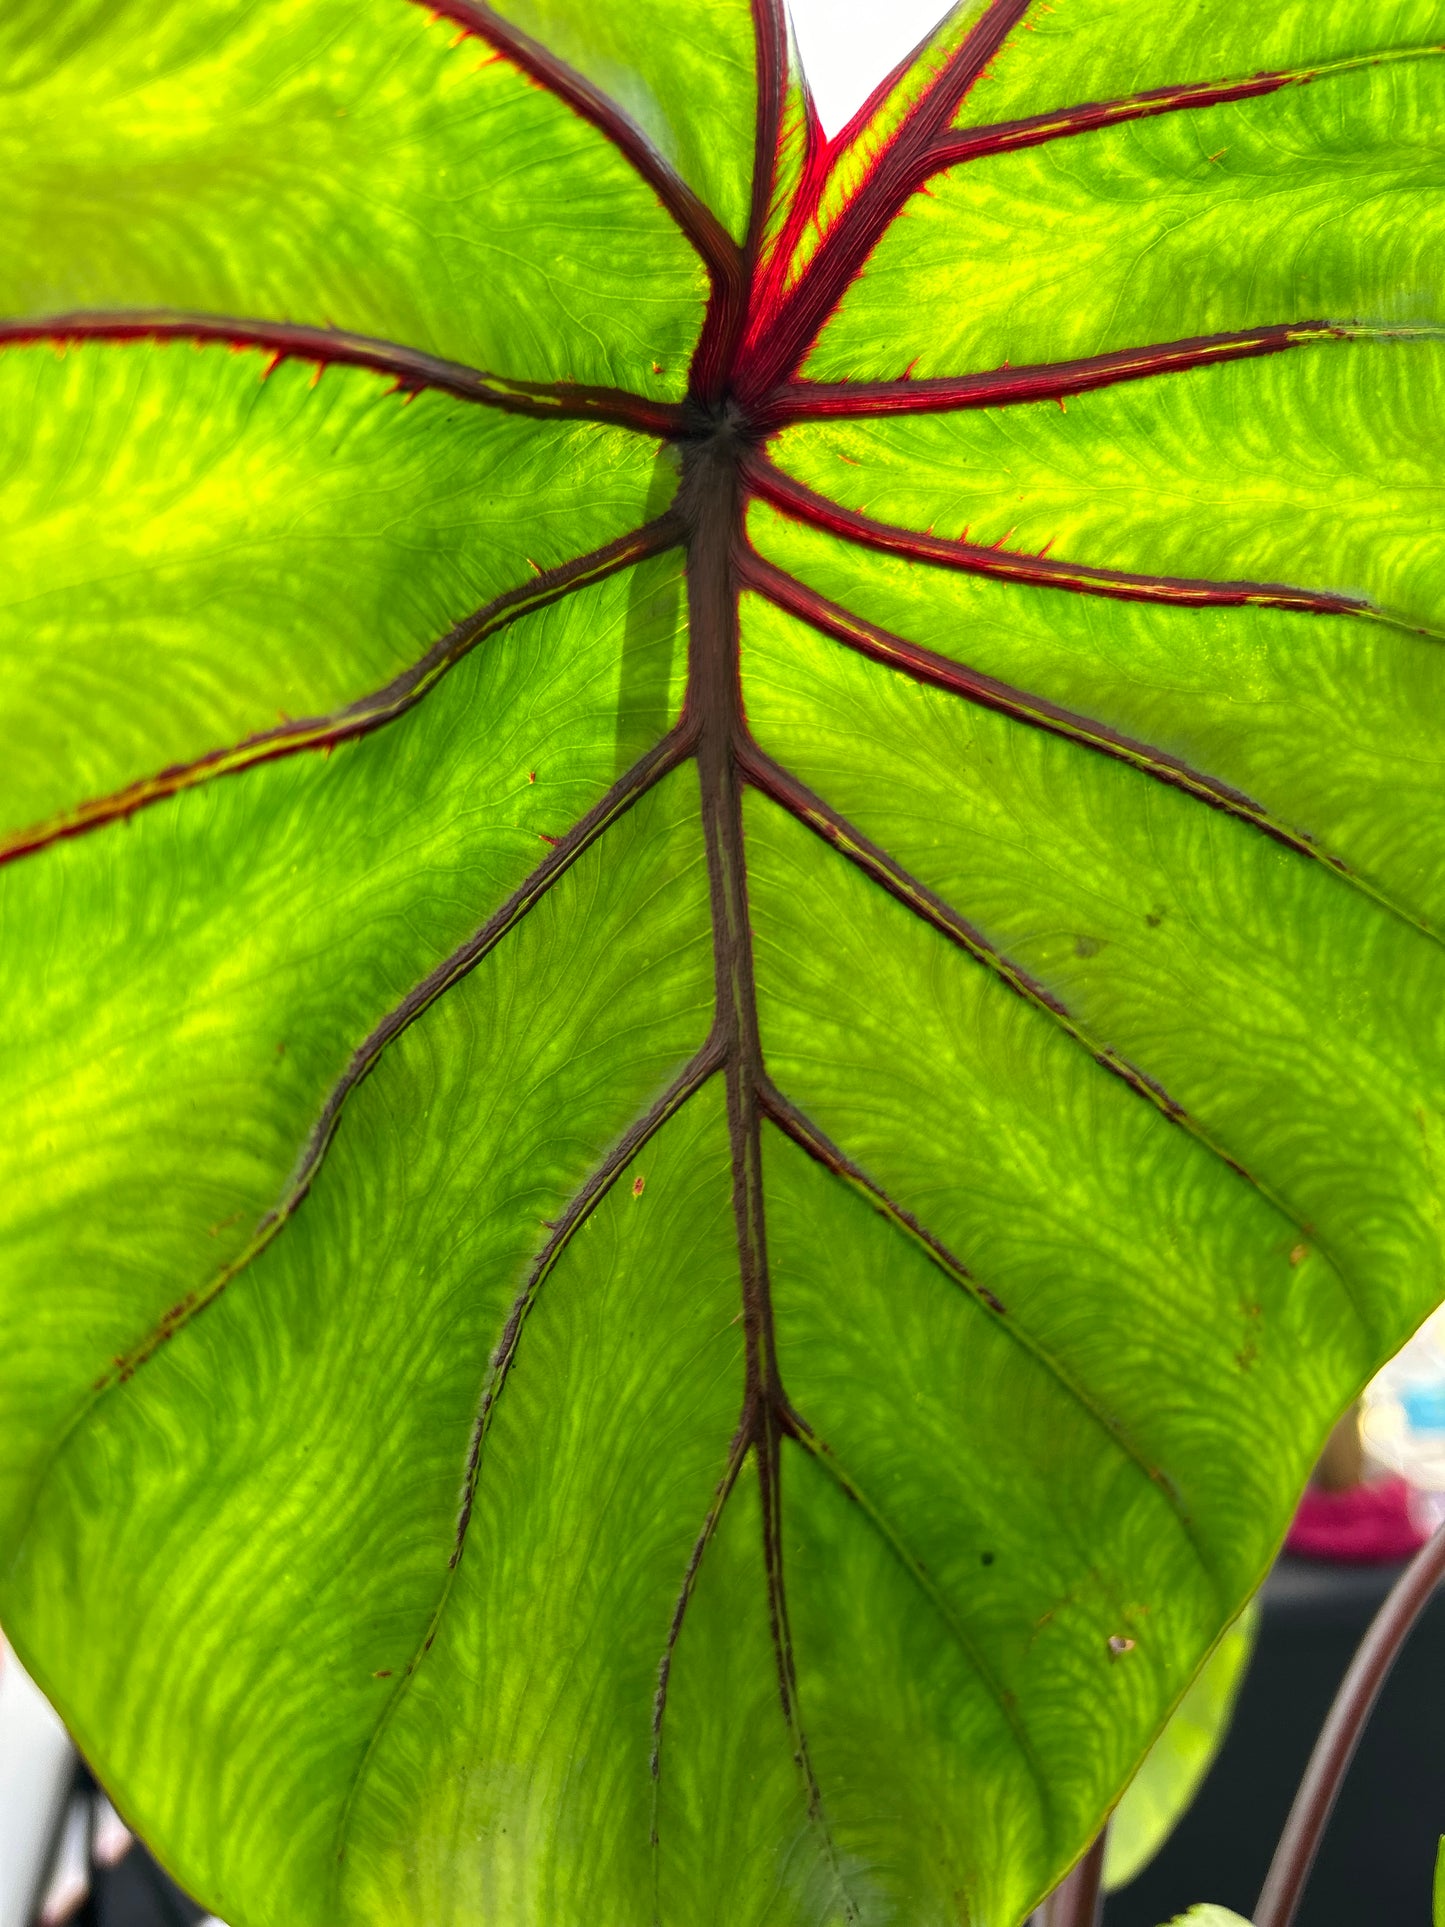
(1368, 1525)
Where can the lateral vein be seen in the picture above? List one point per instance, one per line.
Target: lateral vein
(954, 678)
(582, 1204)
(823, 1456)
(959, 144)
(367, 713)
(784, 789)
(811, 401)
(412, 372)
(629, 788)
(806, 1134)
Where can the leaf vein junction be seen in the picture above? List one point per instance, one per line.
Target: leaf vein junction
(823, 1456)
(803, 1132)
(814, 814)
(627, 790)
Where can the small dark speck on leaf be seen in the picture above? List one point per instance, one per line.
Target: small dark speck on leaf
(385, 1673)
(1119, 1645)
(1154, 918)
(1087, 946)
(657, 367)
(531, 776)
(638, 1184)
(553, 840)
(1299, 1254)
(986, 1558)
(281, 1048)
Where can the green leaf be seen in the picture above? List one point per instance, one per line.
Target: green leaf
(1208, 1916)
(1161, 1792)
(721, 890)
(1438, 1910)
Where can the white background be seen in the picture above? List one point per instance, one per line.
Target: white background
(849, 45)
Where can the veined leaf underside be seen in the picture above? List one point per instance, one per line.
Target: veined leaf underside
(767, 306)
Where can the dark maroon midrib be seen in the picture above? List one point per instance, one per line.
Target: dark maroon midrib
(711, 499)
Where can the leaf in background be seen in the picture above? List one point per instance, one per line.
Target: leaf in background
(1208, 1916)
(1161, 1792)
(720, 922)
(1438, 1910)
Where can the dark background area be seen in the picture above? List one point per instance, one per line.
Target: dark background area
(1377, 1863)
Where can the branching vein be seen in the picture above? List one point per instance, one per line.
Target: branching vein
(925, 904)
(1037, 712)
(644, 774)
(1050, 572)
(806, 1134)
(579, 1208)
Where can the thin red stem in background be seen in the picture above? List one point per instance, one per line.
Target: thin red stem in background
(1340, 1735)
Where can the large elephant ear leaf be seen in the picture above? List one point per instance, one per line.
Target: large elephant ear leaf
(721, 871)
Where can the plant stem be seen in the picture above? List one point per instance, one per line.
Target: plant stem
(1340, 1734)
(1078, 1900)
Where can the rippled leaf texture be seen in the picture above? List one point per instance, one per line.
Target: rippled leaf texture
(722, 920)
(1162, 1791)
